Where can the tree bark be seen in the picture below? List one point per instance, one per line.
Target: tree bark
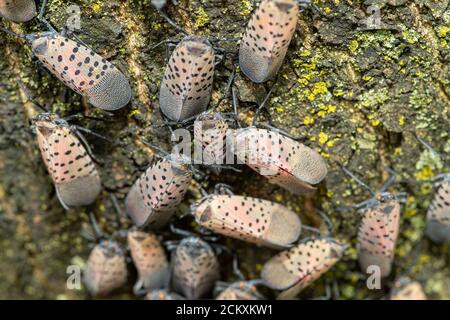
(358, 95)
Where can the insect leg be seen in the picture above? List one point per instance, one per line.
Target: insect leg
(172, 23)
(95, 134)
(327, 288)
(261, 106)
(42, 10)
(98, 232)
(171, 244)
(227, 90)
(327, 220)
(236, 269)
(235, 101)
(88, 148)
(223, 188)
(311, 229)
(138, 289)
(365, 186)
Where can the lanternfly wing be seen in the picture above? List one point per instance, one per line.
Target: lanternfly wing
(149, 258)
(438, 217)
(65, 156)
(83, 70)
(18, 10)
(187, 83)
(195, 268)
(280, 159)
(106, 269)
(164, 187)
(377, 236)
(267, 37)
(440, 207)
(249, 219)
(296, 268)
(155, 195)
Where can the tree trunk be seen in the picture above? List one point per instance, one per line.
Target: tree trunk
(355, 93)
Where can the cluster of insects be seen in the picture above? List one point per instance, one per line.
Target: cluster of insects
(185, 92)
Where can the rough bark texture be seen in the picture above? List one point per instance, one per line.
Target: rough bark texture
(357, 96)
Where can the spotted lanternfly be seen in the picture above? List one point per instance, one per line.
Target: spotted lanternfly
(81, 69)
(210, 131)
(72, 170)
(294, 269)
(407, 289)
(438, 217)
(150, 260)
(17, 10)
(106, 269)
(377, 236)
(266, 39)
(187, 83)
(155, 195)
(249, 219)
(282, 160)
(163, 295)
(195, 268)
(241, 290)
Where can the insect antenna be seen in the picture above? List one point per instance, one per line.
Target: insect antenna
(172, 42)
(181, 232)
(29, 97)
(365, 186)
(223, 188)
(172, 23)
(429, 147)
